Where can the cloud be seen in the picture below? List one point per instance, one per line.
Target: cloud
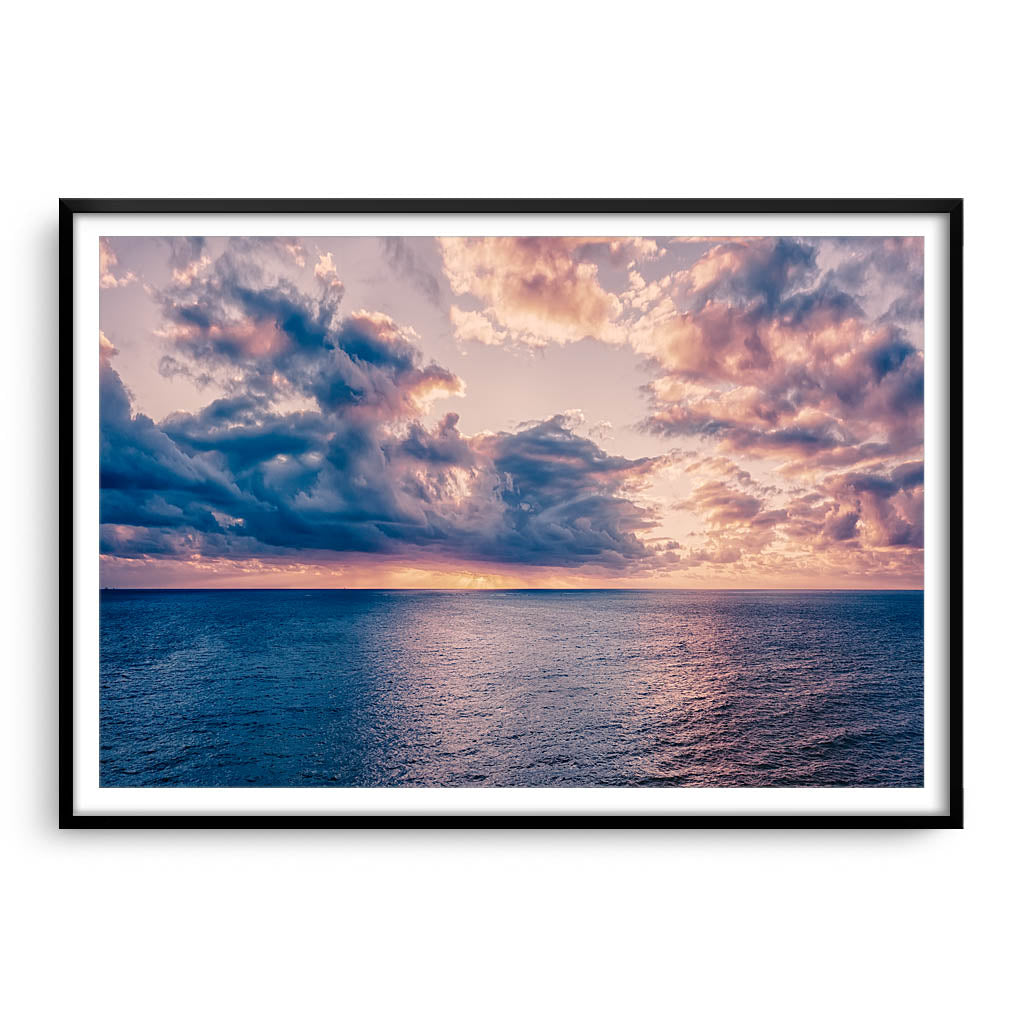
(185, 250)
(146, 480)
(327, 272)
(187, 258)
(543, 289)
(319, 447)
(793, 367)
(469, 325)
(260, 335)
(108, 268)
(562, 493)
(107, 348)
(769, 353)
(858, 523)
(759, 270)
(406, 258)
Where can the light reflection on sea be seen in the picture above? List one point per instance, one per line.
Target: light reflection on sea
(511, 688)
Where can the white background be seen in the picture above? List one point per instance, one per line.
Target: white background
(478, 100)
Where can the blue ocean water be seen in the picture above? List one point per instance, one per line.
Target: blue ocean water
(511, 688)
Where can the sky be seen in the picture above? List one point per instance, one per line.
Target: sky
(511, 412)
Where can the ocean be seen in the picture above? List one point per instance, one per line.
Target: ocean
(511, 688)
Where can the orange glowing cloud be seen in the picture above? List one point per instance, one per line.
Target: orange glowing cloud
(535, 288)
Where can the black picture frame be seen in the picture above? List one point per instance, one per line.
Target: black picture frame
(951, 208)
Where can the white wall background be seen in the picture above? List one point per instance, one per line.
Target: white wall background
(201, 99)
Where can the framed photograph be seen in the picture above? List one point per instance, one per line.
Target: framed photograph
(546, 513)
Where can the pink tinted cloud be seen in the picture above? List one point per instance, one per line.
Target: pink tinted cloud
(775, 359)
(806, 367)
(109, 277)
(795, 366)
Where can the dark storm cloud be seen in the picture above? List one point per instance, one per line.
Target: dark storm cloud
(309, 481)
(548, 460)
(244, 435)
(135, 454)
(562, 493)
(445, 447)
(356, 469)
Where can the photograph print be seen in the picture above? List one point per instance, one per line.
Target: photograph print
(503, 512)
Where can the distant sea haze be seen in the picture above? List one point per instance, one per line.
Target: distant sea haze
(329, 688)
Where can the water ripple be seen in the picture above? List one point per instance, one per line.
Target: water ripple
(525, 688)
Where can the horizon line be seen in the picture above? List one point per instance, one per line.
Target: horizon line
(470, 590)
